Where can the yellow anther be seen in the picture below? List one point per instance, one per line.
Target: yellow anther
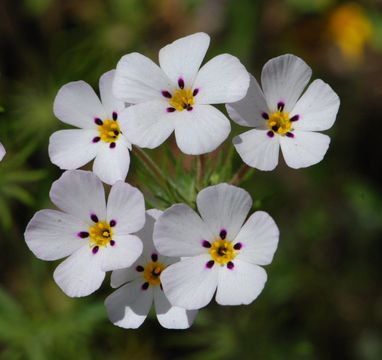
(152, 272)
(100, 234)
(182, 99)
(109, 131)
(222, 251)
(279, 122)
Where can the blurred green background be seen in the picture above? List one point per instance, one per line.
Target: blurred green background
(323, 299)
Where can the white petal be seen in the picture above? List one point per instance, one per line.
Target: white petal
(77, 104)
(2, 151)
(201, 130)
(183, 57)
(248, 111)
(283, 79)
(52, 234)
(79, 193)
(223, 79)
(257, 149)
(172, 317)
(317, 108)
(71, 149)
(138, 79)
(147, 125)
(126, 206)
(123, 276)
(128, 306)
(112, 164)
(109, 101)
(122, 254)
(225, 207)
(179, 231)
(305, 149)
(259, 238)
(240, 285)
(80, 274)
(189, 283)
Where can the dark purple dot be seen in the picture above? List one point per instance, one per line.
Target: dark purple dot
(112, 223)
(94, 217)
(265, 116)
(237, 246)
(230, 265)
(280, 106)
(95, 250)
(166, 94)
(195, 92)
(154, 257)
(223, 234)
(161, 287)
(210, 264)
(116, 132)
(114, 115)
(98, 121)
(145, 286)
(290, 135)
(181, 83)
(170, 109)
(112, 145)
(83, 234)
(189, 108)
(295, 118)
(271, 134)
(112, 242)
(206, 244)
(140, 268)
(96, 139)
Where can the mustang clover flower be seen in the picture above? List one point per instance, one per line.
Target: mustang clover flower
(128, 306)
(97, 238)
(218, 252)
(2, 151)
(280, 118)
(99, 136)
(177, 95)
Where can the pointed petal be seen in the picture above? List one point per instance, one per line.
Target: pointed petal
(258, 238)
(224, 207)
(189, 283)
(283, 79)
(240, 285)
(317, 108)
(172, 317)
(128, 306)
(223, 79)
(304, 149)
(80, 274)
(79, 193)
(183, 57)
(77, 104)
(109, 101)
(52, 234)
(138, 79)
(71, 149)
(257, 149)
(201, 130)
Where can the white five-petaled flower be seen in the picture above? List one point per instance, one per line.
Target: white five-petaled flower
(96, 237)
(99, 136)
(282, 118)
(128, 306)
(177, 95)
(218, 252)
(2, 151)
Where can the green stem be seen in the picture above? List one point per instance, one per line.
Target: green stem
(240, 175)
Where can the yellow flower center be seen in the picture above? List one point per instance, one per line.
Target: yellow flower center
(279, 122)
(152, 272)
(100, 234)
(182, 99)
(109, 131)
(222, 251)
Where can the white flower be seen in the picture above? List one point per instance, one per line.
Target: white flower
(128, 306)
(99, 136)
(282, 118)
(176, 95)
(2, 151)
(96, 237)
(218, 252)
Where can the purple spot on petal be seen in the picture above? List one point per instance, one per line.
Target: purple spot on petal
(210, 264)
(295, 118)
(223, 234)
(95, 250)
(154, 257)
(112, 145)
(98, 121)
(265, 116)
(280, 106)
(94, 217)
(170, 109)
(181, 83)
(271, 134)
(290, 135)
(83, 234)
(166, 94)
(206, 244)
(145, 286)
(230, 265)
(112, 242)
(140, 268)
(96, 139)
(112, 223)
(189, 108)
(114, 115)
(238, 246)
(195, 92)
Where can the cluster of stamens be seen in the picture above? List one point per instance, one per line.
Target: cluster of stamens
(109, 130)
(279, 121)
(99, 234)
(151, 272)
(222, 251)
(181, 99)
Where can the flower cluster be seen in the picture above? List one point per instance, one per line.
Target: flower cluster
(176, 259)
